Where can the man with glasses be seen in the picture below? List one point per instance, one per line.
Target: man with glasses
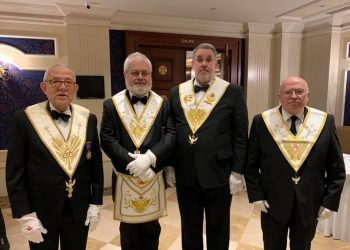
(295, 169)
(135, 136)
(211, 122)
(54, 170)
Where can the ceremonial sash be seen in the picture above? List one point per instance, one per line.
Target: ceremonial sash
(137, 201)
(67, 152)
(295, 148)
(197, 112)
(137, 127)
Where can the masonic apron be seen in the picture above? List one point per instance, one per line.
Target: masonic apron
(137, 201)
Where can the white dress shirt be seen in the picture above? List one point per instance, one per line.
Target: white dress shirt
(62, 125)
(287, 117)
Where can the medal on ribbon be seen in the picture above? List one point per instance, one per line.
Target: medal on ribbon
(88, 150)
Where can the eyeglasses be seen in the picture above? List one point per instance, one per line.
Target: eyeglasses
(56, 83)
(207, 60)
(136, 73)
(297, 92)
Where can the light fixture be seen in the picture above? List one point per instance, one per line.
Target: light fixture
(4, 71)
(6, 66)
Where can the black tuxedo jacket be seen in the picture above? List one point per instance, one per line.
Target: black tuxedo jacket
(36, 182)
(221, 144)
(116, 142)
(268, 175)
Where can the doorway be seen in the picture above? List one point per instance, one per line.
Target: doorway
(171, 56)
(168, 67)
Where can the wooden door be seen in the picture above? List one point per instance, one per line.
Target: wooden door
(168, 67)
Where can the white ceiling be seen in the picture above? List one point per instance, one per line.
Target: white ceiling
(236, 11)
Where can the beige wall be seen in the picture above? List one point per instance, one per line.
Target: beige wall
(259, 78)
(88, 49)
(315, 68)
(344, 64)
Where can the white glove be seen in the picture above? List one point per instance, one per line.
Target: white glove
(324, 213)
(93, 216)
(170, 176)
(32, 228)
(261, 205)
(236, 183)
(149, 153)
(147, 175)
(141, 163)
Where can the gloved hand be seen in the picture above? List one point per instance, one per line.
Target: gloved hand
(147, 175)
(261, 205)
(236, 183)
(324, 213)
(141, 163)
(32, 228)
(93, 216)
(170, 176)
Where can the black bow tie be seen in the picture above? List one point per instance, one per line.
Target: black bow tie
(55, 115)
(135, 99)
(198, 88)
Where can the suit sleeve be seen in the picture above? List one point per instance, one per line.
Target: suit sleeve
(239, 133)
(16, 164)
(335, 171)
(110, 140)
(252, 168)
(97, 177)
(165, 146)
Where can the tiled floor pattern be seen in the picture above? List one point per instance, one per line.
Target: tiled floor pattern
(245, 228)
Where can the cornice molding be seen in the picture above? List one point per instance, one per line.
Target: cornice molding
(141, 22)
(259, 28)
(327, 30)
(289, 27)
(32, 19)
(86, 21)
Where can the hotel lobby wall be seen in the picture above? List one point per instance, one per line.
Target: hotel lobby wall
(320, 68)
(88, 50)
(344, 66)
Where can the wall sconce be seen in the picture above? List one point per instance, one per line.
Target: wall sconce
(4, 71)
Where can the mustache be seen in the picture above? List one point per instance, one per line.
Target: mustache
(204, 69)
(140, 82)
(294, 101)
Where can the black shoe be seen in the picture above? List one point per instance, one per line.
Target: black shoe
(4, 244)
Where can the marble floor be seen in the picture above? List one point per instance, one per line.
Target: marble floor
(245, 228)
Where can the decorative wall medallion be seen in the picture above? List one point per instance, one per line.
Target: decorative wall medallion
(162, 70)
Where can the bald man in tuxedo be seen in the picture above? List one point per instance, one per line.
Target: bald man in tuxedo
(295, 170)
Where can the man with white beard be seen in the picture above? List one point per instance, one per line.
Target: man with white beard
(135, 137)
